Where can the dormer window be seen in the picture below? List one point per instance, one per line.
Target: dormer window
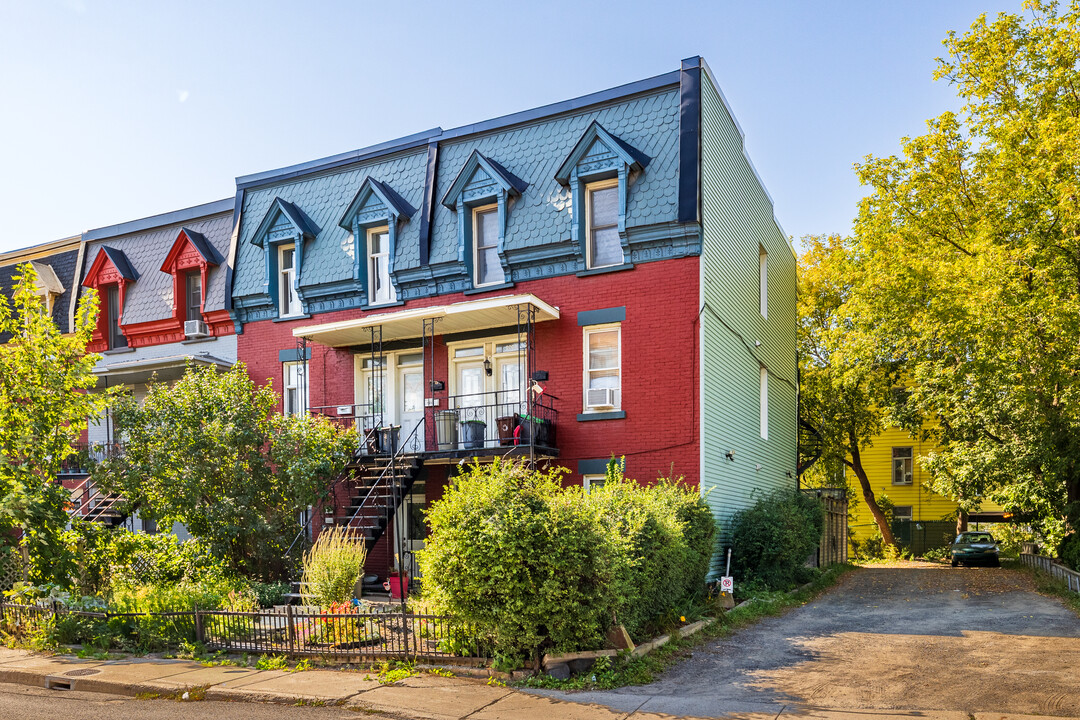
(115, 338)
(110, 275)
(287, 295)
(487, 269)
(193, 304)
(599, 171)
(282, 234)
(482, 195)
(48, 286)
(189, 262)
(602, 219)
(374, 217)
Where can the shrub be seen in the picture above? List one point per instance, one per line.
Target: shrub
(333, 565)
(1068, 551)
(270, 594)
(772, 539)
(528, 565)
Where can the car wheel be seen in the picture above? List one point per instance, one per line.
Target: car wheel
(955, 562)
(995, 563)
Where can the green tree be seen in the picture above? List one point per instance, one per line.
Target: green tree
(972, 241)
(45, 379)
(210, 453)
(844, 388)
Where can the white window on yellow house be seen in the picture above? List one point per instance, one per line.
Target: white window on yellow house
(901, 512)
(903, 462)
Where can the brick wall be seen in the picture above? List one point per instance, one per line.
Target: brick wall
(659, 435)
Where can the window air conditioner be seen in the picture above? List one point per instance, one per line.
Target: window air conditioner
(195, 329)
(600, 397)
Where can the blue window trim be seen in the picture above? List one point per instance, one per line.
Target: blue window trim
(614, 415)
(293, 355)
(578, 170)
(302, 230)
(375, 204)
(482, 181)
(598, 466)
(602, 316)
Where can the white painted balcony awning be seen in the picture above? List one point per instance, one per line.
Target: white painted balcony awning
(467, 316)
(166, 369)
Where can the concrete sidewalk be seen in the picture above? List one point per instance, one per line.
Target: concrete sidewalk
(421, 697)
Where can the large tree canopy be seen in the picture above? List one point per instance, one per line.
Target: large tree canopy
(844, 388)
(971, 245)
(45, 377)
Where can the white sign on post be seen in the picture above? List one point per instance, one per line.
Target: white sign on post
(727, 584)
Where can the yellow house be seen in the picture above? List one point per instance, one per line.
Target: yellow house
(922, 519)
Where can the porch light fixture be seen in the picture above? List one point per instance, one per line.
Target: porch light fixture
(730, 455)
(437, 385)
(487, 366)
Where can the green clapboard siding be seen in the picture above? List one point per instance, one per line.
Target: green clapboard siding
(737, 216)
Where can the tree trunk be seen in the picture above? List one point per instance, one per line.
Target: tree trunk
(961, 522)
(868, 496)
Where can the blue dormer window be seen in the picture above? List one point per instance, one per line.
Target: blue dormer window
(373, 217)
(599, 171)
(282, 234)
(482, 195)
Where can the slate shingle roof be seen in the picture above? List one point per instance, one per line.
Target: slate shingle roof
(63, 264)
(532, 152)
(150, 296)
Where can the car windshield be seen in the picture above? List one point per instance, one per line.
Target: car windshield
(975, 538)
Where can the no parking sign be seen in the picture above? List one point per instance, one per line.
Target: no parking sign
(727, 584)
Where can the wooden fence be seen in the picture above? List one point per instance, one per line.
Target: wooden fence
(1054, 569)
(833, 546)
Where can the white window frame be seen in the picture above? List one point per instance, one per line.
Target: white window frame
(587, 332)
(589, 189)
(588, 480)
(909, 471)
(302, 389)
(188, 275)
(476, 213)
(286, 306)
(763, 400)
(372, 263)
(763, 281)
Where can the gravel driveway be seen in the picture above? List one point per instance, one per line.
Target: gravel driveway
(909, 637)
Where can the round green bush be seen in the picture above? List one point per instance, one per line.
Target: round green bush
(1068, 551)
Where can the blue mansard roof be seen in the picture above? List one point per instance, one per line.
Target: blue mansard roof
(524, 154)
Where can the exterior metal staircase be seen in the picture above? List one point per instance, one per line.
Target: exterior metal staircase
(377, 487)
(92, 505)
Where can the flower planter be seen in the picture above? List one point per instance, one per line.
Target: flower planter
(397, 585)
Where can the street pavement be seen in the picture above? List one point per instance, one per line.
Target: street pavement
(908, 639)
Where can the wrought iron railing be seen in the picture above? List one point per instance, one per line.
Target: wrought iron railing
(346, 632)
(493, 421)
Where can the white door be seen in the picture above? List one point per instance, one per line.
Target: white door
(410, 405)
(471, 401)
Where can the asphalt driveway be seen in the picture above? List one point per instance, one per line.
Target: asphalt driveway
(916, 639)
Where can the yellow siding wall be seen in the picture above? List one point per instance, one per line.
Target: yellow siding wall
(877, 459)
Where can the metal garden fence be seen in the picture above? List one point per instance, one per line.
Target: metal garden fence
(347, 636)
(1054, 569)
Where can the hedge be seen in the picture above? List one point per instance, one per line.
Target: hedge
(772, 539)
(534, 566)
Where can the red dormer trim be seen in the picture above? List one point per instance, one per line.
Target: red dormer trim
(188, 253)
(104, 272)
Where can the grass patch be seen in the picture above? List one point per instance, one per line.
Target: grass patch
(626, 669)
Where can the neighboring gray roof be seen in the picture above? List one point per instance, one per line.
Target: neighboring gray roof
(145, 248)
(63, 264)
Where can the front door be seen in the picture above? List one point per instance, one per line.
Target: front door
(410, 405)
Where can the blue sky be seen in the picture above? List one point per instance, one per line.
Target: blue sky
(113, 111)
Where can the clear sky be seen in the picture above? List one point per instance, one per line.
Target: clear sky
(111, 111)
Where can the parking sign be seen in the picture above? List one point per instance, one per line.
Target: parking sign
(727, 584)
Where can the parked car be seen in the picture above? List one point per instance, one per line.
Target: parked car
(975, 547)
